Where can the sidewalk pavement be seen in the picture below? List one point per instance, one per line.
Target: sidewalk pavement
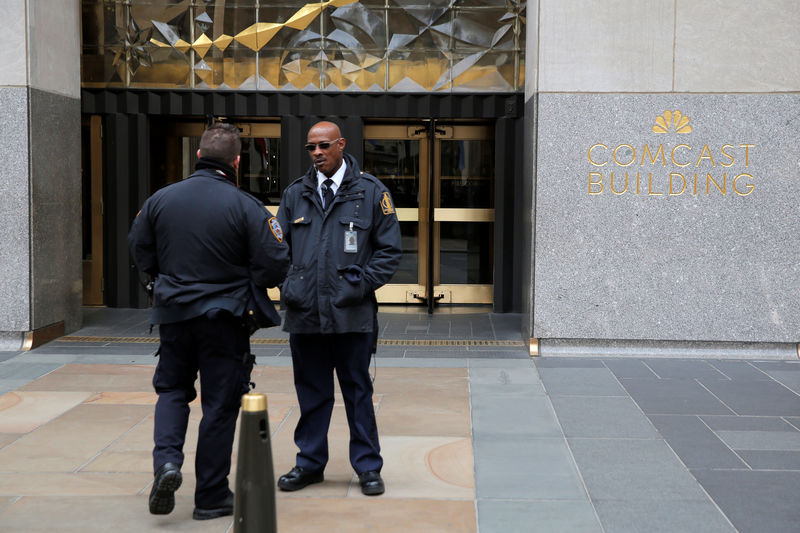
(476, 437)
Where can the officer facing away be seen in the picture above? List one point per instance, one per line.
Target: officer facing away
(204, 240)
(344, 237)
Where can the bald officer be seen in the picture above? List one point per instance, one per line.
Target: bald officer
(344, 238)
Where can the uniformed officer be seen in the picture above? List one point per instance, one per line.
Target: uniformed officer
(344, 237)
(204, 241)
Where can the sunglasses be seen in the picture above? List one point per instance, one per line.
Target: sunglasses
(323, 145)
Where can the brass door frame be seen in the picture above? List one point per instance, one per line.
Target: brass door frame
(93, 268)
(444, 293)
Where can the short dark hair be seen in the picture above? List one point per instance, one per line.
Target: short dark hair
(221, 142)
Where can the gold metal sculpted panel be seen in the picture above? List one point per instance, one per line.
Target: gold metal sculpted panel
(336, 45)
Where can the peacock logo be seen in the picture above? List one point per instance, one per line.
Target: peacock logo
(674, 119)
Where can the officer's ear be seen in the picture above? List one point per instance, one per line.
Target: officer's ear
(235, 163)
(199, 155)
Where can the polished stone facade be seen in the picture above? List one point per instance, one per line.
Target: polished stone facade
(14, 216)
(56, 210)
(698, 243)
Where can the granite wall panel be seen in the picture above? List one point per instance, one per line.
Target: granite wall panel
(55, 46)
(616, 45)
(13, 43)
(56, 209)
(14, 211)
(702, 246)
(737, 46)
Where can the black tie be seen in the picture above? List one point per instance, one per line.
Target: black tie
(327, 193)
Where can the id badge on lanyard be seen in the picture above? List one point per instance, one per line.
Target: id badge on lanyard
(350, 240)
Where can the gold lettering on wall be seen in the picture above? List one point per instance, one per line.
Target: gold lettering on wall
(590, 154)
(748, 186)
(593, 183)
(683, 184)
(671, 181)
(612, 184)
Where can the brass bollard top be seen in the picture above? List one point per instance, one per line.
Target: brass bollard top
(254, 402)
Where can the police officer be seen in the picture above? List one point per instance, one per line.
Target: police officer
(344, 237)
(204, 241)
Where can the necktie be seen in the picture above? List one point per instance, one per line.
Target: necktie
(327, 193)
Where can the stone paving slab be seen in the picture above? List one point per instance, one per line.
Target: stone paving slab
(771, 460)
(667, 516)
(740, 370)
(695, 443)
(634, 471)
(755, 501)
(602, 417)
(525, 468)
(674, 397)
(768, 398)
(580, 382)
(514, 516)
(498, 415)
(666, 369)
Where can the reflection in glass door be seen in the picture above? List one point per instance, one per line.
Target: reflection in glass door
(447, 242)
(174, 156)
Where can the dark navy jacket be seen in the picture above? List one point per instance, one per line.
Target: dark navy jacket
(322, 292)
(205, 239)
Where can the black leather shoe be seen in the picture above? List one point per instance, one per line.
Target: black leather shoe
(299, 478)
(162, 496)
(225, 508)
(371, 483)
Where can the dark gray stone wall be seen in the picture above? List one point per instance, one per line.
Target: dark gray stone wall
(666, 261)
(55, 171)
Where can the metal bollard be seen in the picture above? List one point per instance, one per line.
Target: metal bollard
(254, 504)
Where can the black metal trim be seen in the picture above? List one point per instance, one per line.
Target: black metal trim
(185, 102)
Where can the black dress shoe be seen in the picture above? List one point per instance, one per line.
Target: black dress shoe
(225, 508)
(298, 478)
(371, 483)
(162, 496)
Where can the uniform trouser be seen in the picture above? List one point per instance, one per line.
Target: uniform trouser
(314, 358)
(219, 348)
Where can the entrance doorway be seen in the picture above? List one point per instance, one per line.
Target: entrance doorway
(441, 177)
(442, 181)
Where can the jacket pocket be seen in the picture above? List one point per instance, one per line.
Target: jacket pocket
(298, 288)
(350, 286)
(358, 223)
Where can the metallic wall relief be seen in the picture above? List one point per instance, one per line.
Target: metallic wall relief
(333, 45)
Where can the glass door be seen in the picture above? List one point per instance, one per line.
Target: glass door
(443, 188)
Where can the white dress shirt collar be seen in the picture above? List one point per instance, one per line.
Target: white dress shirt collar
(337, 178)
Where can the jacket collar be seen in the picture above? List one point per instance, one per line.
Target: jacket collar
(350, 176)
(218, 167)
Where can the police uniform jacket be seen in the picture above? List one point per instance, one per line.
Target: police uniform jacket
(205, 239)
(329, 289)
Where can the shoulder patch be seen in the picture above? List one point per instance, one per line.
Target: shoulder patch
(275, 228)
(386, 204)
